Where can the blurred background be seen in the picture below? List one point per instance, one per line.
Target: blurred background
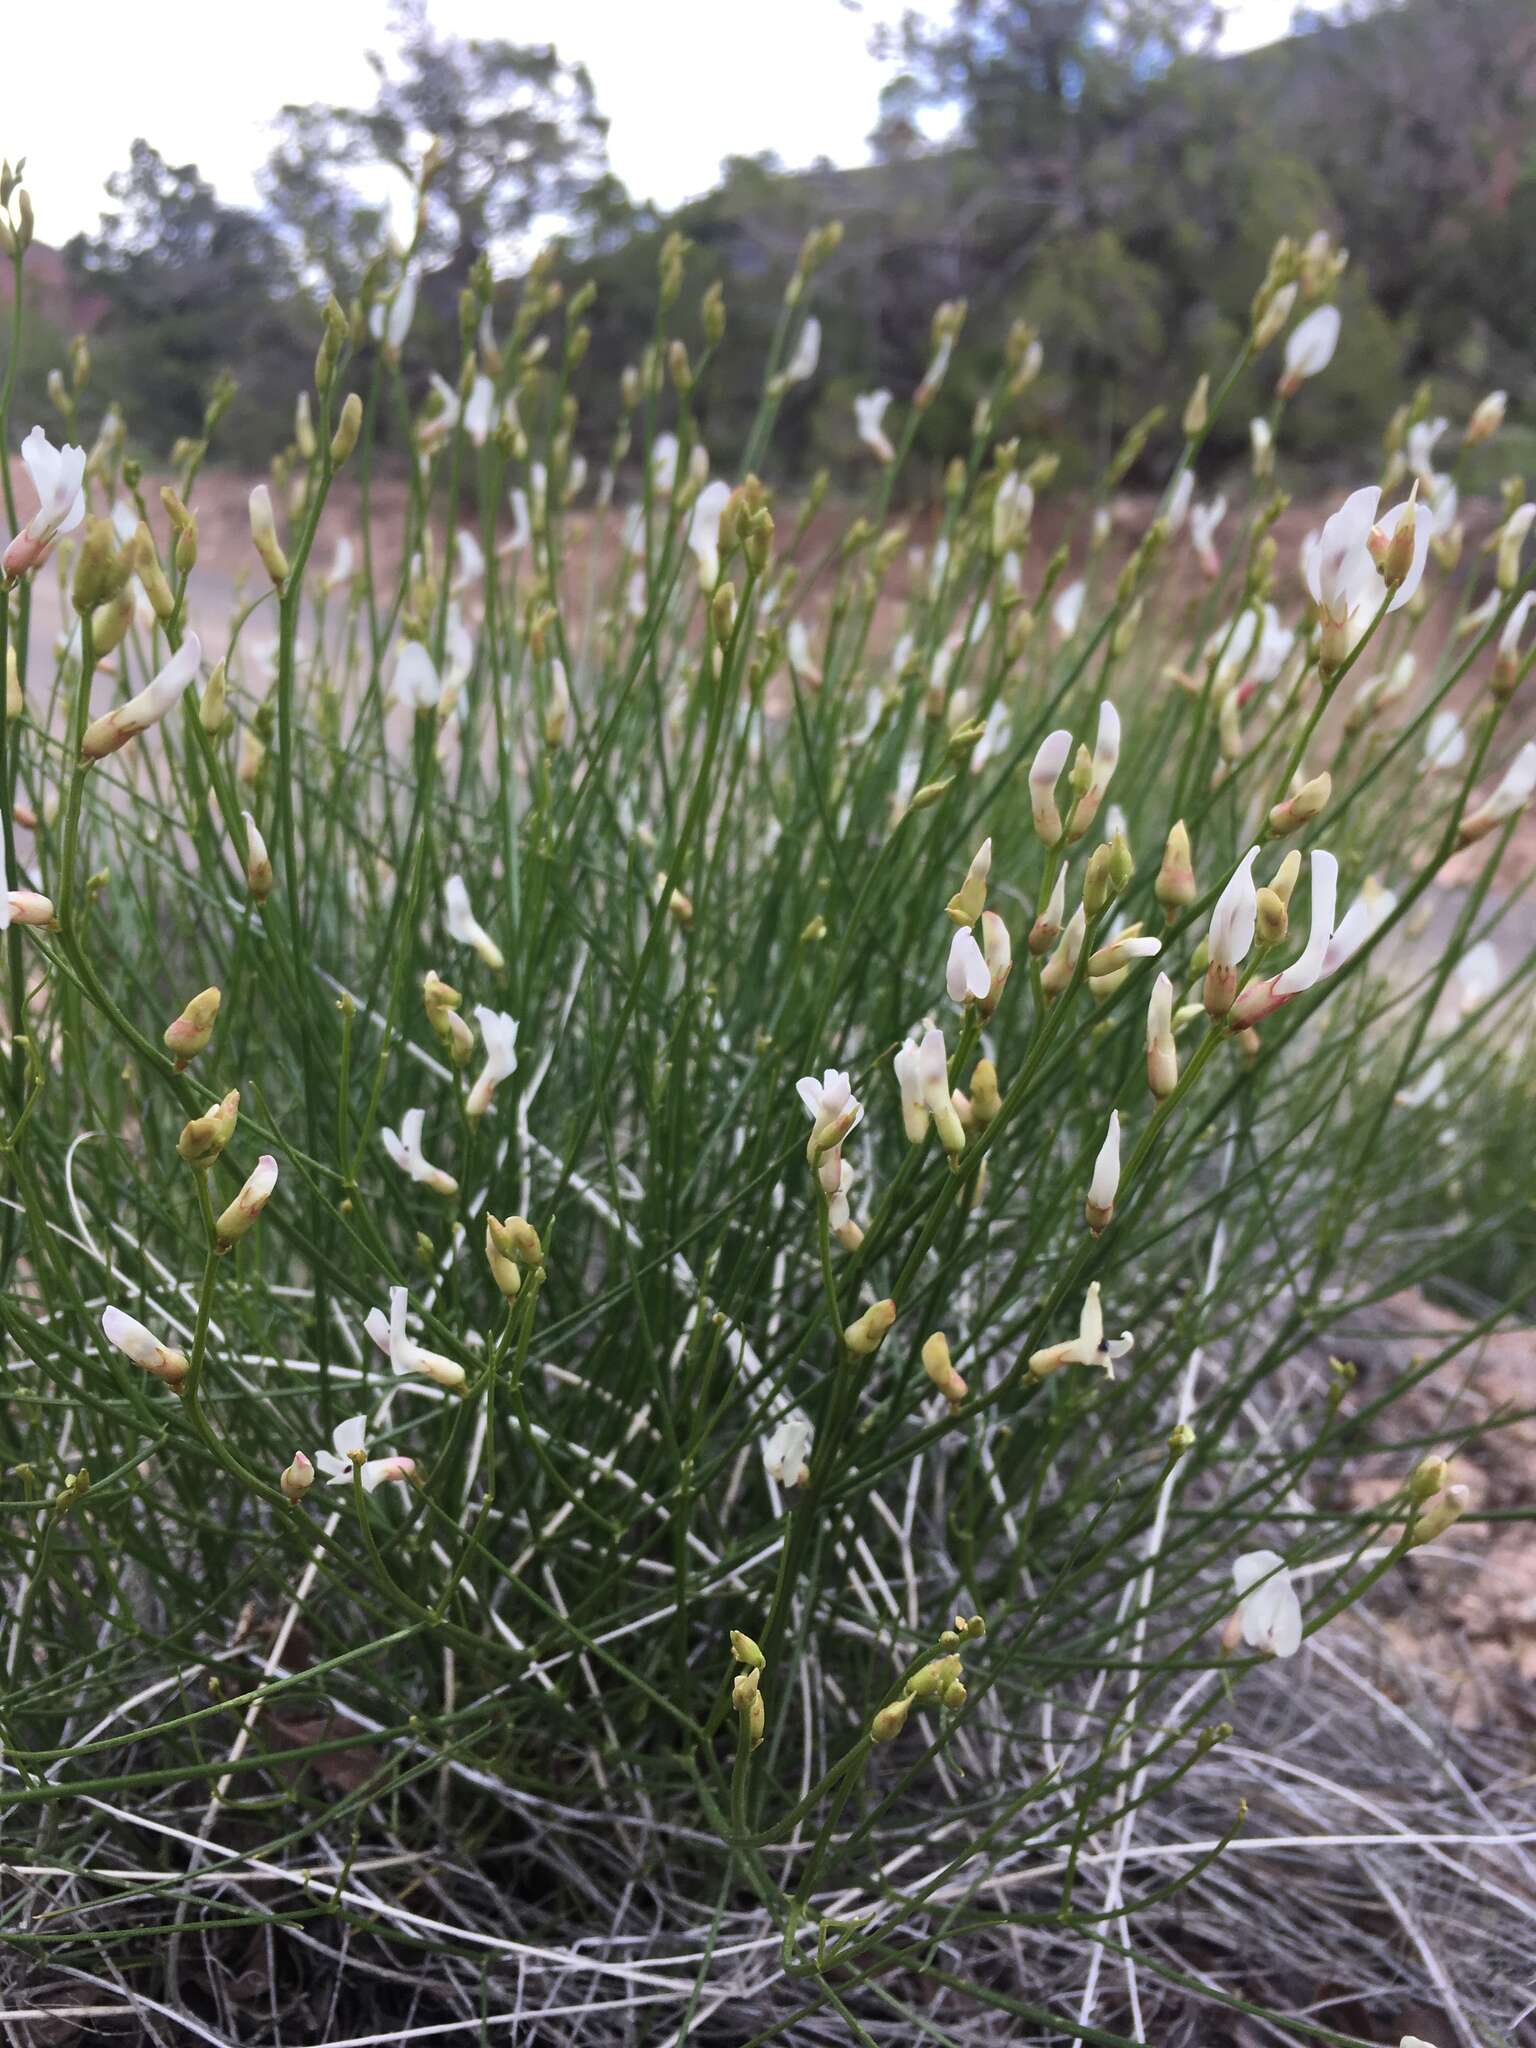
(1113, 171)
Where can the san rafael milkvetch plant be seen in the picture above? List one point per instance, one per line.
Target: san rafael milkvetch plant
(689, 1192)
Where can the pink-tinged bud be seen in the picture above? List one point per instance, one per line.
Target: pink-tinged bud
(1300, 809)
(1487, 418)
(297, 1478)
(1175, 884)
(22, 556)
(105, 735)
(192, 1030)
(147, 1352)
(204, 1137)
(1102, 1189)
(25, 906)
(248, 1204)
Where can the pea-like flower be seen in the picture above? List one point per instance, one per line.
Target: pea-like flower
(115, 729)
(1044, 774)
(417, 682)
(1445, 744)
(1204, 520)
(704, 531)
(1340, 565)
(349, 1454)
(389, 320)
(498, 1028)
(129, 1336)
(58, 476)
(1268, 1614)
(801, 366)
(1514, 792)
(868, 415)
(402, 1350)
(1309, 349)
(1230, 939)
(404, 1148)
(787, 1449)
(1262, 998)
(966, 976)
(1089, 1347)
(464, 926)
(22, 906)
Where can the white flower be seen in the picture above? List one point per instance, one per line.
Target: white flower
(966, 977)
(802, 364)
(390, 320)
(403, 1352)
(1013, 507)
(1261, 445)
(1177, 509)
(135, 1342)
(1341, 572)
(830, 1103)
(1067, 608)
(937, 370)
(349, 1453)
(909, 1078)
(404, 1148)
(105, 735)
(797, 646)
(1429, 1088)
(464, 926)
(340, 572)
(1513, 793)
(1363, 919)
(1088, 1347)
(499, 1031)
(417, 682)
(58, 475)
(704, 531)
(1479, 975)
(1422, 436)
(1235, 916)
(1203, 522)
(868, 413)
(1310, 346)
(1445, 744)
(480, 410)
(1514, 626)
(1105, 1184)
(1269, 1614)
(468, 560)
(522, 528)
(787, 1449)
(664, 454)
(1045, 773)
(1261, 998)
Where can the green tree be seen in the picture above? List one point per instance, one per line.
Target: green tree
(194, 287)
(521, 143)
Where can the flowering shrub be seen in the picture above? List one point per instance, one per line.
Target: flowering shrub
(761, 999)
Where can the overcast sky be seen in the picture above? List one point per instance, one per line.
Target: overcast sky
(683, 82)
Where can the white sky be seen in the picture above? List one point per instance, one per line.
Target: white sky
(683, 82)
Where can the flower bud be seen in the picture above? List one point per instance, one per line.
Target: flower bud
(744, 1688)
(243, 1211)
(258, 863)
(1427, 1479)
(1046, 929)
(1438, 1514)
(213, 706)
(1098, 885)
(297, 1478)
(1162, 1053)
(890, 1721)
(986, 1101)
(348, 427)
(1305, 805)
(1270, 921)
(940, 1369)
(1197, 411)
(1487, 418)
(934, 1678)
(264, 535)
(100, 572)
(1175, 884)
(865, 1336)
(190, 1033)
(745, 1651)
(970, 899)
(145, 1350)
(204, 1138)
